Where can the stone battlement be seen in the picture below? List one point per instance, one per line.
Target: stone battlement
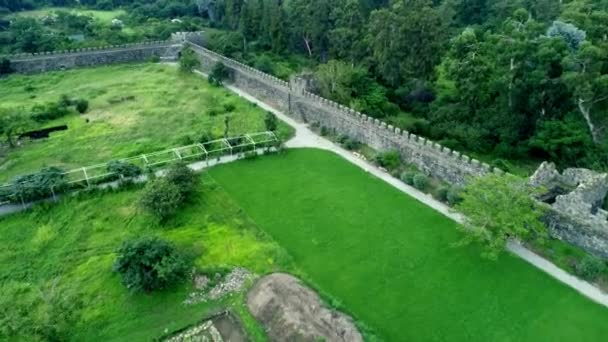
(575, 217)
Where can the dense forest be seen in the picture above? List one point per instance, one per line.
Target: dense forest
(505, 79)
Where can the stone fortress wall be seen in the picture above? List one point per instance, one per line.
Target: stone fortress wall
(574, 217)
(292, 97)
(60, 60)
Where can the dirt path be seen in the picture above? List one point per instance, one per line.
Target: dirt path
(304, 137)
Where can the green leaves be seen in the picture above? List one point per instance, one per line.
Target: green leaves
(498, 208)
(149, 263)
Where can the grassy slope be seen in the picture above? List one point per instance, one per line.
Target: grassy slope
(74, 243)
(167, 107)
(388, 258)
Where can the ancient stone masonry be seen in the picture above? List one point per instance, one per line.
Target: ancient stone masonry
(267, 88)
(431, 158)
(61, 60)
(576, 197)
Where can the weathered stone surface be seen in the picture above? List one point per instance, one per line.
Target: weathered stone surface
(576, 216)
(51, 62)
(292, 312)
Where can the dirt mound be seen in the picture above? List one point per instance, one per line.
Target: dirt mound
(292, 312)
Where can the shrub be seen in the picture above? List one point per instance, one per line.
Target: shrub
(270, 121)
(442, 194)
(38, 185)
(149, 263)
(408, 177)
(229, 107)
(421, 182)
(124, 169)
(161, 198)
(65, 101)
(5, 66)
(589, 268)
(205, 137)
(182, 176)
(50, 111)
(351, 144)
(454, 196)
(188, 60)
(389, 160)
(324, 131)
(213, 112)
(218, 74)
(82, 106)
(264, 64)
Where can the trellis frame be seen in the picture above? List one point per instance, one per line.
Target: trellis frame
(199, 151)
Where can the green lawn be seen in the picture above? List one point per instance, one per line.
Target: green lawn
(134, 109)
(388, 259)
(68, 250)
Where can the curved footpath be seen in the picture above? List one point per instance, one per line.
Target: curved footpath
(304, 137)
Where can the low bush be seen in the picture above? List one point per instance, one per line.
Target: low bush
(5, 66)
(161, 198)
(229, 107)
(38, 185)
(442, 194)
(271, 122)
(65, 101)
(589, 268)
(264, 64)
(408, 177)
(48, 112)
(82, 106)
(389, 160)
(149, 263)
(453, 196)
(219, 73)
(124, 169)
(421, 182)
(182, 176)
(188, 61)
(205, 137)
(325, 131)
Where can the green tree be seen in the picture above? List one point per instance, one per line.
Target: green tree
(347, 37)
(498, 208)
(271, 122)
(188, 61)
(161, 198)
(149, 263)
(218, 74)
(406, 40)
(182, 176)
(13, 121)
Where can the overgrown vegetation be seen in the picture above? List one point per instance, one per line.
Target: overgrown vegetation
(133, 109)
(57, 280)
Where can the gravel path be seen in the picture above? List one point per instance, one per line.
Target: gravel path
(304, 137)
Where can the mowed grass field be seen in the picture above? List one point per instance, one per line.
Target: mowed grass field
(134, 109)
(63, 254)
(389, 260)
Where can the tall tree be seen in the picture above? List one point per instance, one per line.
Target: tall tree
(406, 40)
